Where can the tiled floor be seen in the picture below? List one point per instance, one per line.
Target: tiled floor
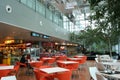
(83, 73)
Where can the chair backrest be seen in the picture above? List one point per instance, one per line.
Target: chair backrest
(64, 75)
(96, 60)
(16, 68)
(36, 64)
(93, 71)
(8, 78)
(41, 75)
(51, 61)
(60, 64)
(100, 66)
(105, 57)
(100, 76)
(38, 75)
(62, 58)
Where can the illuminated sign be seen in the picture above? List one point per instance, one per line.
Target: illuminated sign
(34, 34)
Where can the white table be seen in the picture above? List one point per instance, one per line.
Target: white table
(115, 76)
(75, 58)
(68, 62)
(106, 60)
(9, 78)
(79, 56)
(6, 67)
(112, 63)
(54, 70)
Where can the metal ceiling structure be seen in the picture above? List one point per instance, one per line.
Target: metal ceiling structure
(70, 8)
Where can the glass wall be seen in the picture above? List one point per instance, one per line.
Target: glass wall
(40, 8)
(29, 3)
(47, 10)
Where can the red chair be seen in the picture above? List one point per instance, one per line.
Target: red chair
(36, 64)
(62, 58)
(15, 70)
(21, 64)
(4, 73)
(60, 64)
(83, 59)
(48, 60)
(63, 75)
(72, 67)
(4, 65)
(42, 76)
(51, 61)
(39, 65)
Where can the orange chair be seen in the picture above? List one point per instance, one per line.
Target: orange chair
(4, 73)
(62, 57)
(63, 75)
(15, 70)
(21, 64)
(48, 60)
(60, 64)
(36, 64)
(39, 65)
(51, 61)
(42, 76)
(4, 65)
(72, 67)
(83, 59)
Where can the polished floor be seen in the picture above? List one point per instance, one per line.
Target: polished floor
(83, 73)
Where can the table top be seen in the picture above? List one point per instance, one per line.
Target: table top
(54, 70)
(116, 76)
(112, 63)
(34, 61)
(6, 67)
(106, 60)
(80, 56)
(8, 78)
(68, 62)
(47, 58)
(75, 58)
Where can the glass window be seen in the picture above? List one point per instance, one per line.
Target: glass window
(40, 8)
(55, 19)
(48, 14)
(31, 3)
(24, 1)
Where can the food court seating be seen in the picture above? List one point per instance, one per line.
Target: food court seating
(93, 71)
(72, 67)
(9, 78)
(49, 61)
(4, 73)
(100, 76)
(42, 76)
(36, 64)
(15, 70)
(100, 66)
(64, 76)
(62, 57)
(83, 59)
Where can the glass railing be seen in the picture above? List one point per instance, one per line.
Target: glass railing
(44, 11)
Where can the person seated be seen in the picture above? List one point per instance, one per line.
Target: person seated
(23, 60)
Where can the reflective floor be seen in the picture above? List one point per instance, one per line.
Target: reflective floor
(82, 74)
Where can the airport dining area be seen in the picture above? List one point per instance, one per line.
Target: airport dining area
(46, 68)
(63, 67)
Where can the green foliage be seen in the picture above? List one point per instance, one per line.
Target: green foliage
(106, 15)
